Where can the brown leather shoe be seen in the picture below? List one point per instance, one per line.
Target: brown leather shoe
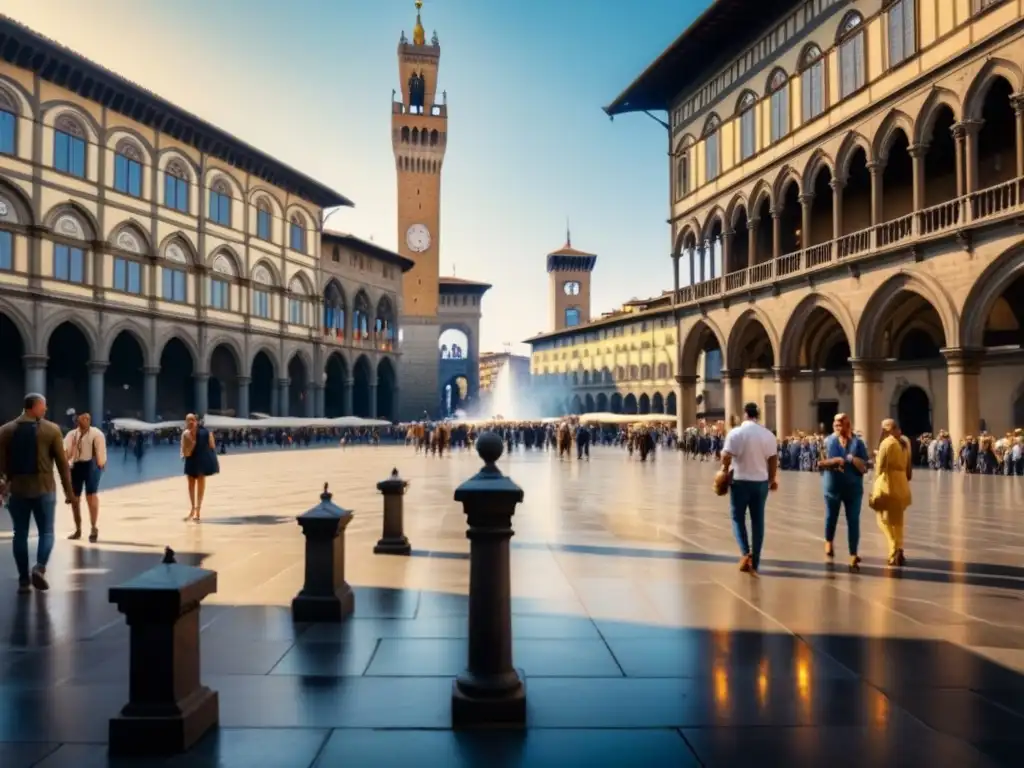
(746, 564)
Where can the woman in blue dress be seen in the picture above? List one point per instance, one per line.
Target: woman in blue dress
(844, 465)
(200, 453)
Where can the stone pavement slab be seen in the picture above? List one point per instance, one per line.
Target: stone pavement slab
(636, 632)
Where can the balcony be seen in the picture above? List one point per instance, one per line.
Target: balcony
(987, 206)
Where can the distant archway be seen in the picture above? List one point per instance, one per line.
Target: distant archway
(362, 379)
(12, 370)
(576, 405)
(914, 412)
(334, 386)
(298, 387)
(123, 382)
(453, 394)
(670, 404)
(386, 380)
(644, 404)
(453, 344)
(175, 387)
(601, 403)
(67, 374)
(262, 385)
(222, 388)
(616, 403)
(588, 404)
(657, 403)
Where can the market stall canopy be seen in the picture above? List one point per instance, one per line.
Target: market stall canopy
(271, 422)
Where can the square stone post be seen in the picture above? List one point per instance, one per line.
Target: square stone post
(35, 374)
(243, 397)
(325, 595)
(867, 395)
(918, 153)
(490, 692)
(776, 212)
(168, 709)
(876, 169)
(346, 397)
(963, 388)
(733, 381)
(806, 212)
(393, 540)
(97, 382)
(202, 381)
(686, 403)
(837, 216)
(752, 241)
(783, 402)
(283, 399)
(149, 382)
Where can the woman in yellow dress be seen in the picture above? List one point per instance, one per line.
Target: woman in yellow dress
(890, 494)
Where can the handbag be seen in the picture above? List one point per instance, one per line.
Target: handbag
(721, 483)
(880, 493)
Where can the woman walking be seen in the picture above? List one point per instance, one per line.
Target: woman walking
(844, 464)
(200, 453)
(890, 495)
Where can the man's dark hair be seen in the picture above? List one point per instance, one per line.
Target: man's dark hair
(751, 410)
(31, 400)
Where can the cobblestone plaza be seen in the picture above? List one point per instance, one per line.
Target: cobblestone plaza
(640, 642)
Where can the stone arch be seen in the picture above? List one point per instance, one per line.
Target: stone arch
(819, 159)
(703, 330)
(892, 124)
(21, 322)
(224, 250)
(77, 319)
(716, 214)
(786, 175)
(691, 227)
(738, 203)
(268, 349)
(128, 142)
(137, 331)
(19, 100)
(746, 100)
(165, 157)
(304, 357)
(762, 191)
(89, 225)
(925, 123)
(987, 289)
(874, 312)
(53, 111)
(739, 329)
(850, 143)
(186, 340)
(265, 263)
(181, 240)
(23, 210)
(231, 343)
(915, 420)
(683, 143)
(711, 124)
(795, 327)
(129, 235)
(301, 285)
(273, 203)
(993, 69)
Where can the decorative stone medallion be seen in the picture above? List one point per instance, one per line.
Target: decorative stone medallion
(261, 275)
(174, 252)
(70, 226)
(128, 241)
(222, 264)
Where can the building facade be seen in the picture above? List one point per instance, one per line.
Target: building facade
(152, 264)
(845, 191)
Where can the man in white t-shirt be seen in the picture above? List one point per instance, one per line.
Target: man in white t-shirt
(752, 453)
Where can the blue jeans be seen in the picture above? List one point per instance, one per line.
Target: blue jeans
(749, 495)
(850, 498)
(43, 509)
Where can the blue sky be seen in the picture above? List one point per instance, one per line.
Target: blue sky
(310, 82)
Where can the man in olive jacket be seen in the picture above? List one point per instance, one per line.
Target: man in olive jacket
(30, 446)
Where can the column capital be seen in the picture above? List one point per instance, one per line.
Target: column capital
(918, 151)
(866, 369)
(201, 375)
(733, 374)
(805, 198)
(752, 223)
(776, 212)
(963, 360)
(284, 382)
(1017, 102)
(729, 233)
(676, 256)
(875, 167)
(244, 380)
(98, 366)
(34, 361)
(686, 380)
(966, 128)
(783, 375)
(348, 382)
(151, 370)
(837, 184)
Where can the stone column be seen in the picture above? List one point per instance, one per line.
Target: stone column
(876, 170)
(309, 402)
(727, 265)
(867, 395)
(97, 380)
(149, 374)
(963, 389)
(1017, 102)
(776, 232)
(675, 278)
(202, 380)
(971, 130)
(318, 394)
(686, 402)
(806, 209)
(371, 406)
(959, 135)
(242, 411)
(704, 258)
(35, 374)
(732, 380)
(837, 211)
(783, 401)
(346, 397)
(275, 406)
(284, 401)
(752, 241)
(918, 153)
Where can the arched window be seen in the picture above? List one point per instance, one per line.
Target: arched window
(69, 146)
(748, 124)
(261, 282)
(683, 168)
(69, 258)
(220, 203)
(851, 55)
(417, 97)
(812, 82)
(902, 31)
(778, 87)
(222, 273)
(8, 123)
(297, 301)
(9, 215)
(712, 150)
(297, 234)
(174, 273)
(176, 186)
(405, 134)
(263, 220)
(334, 311)
(128, 168)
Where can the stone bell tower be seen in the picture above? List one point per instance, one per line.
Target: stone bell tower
(569, 285)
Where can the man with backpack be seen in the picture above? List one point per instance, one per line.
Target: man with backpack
(30, 446)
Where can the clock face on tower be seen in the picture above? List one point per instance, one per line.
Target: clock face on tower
(417, 237)
(571, 288)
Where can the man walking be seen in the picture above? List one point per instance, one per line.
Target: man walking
(86, 449)
(752, 453)
(30, 446)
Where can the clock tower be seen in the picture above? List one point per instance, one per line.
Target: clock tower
(569, 273)
(419, 135)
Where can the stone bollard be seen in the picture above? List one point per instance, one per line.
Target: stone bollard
(168, 709)
(325, 596)
(490, 692)
(393, 540)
